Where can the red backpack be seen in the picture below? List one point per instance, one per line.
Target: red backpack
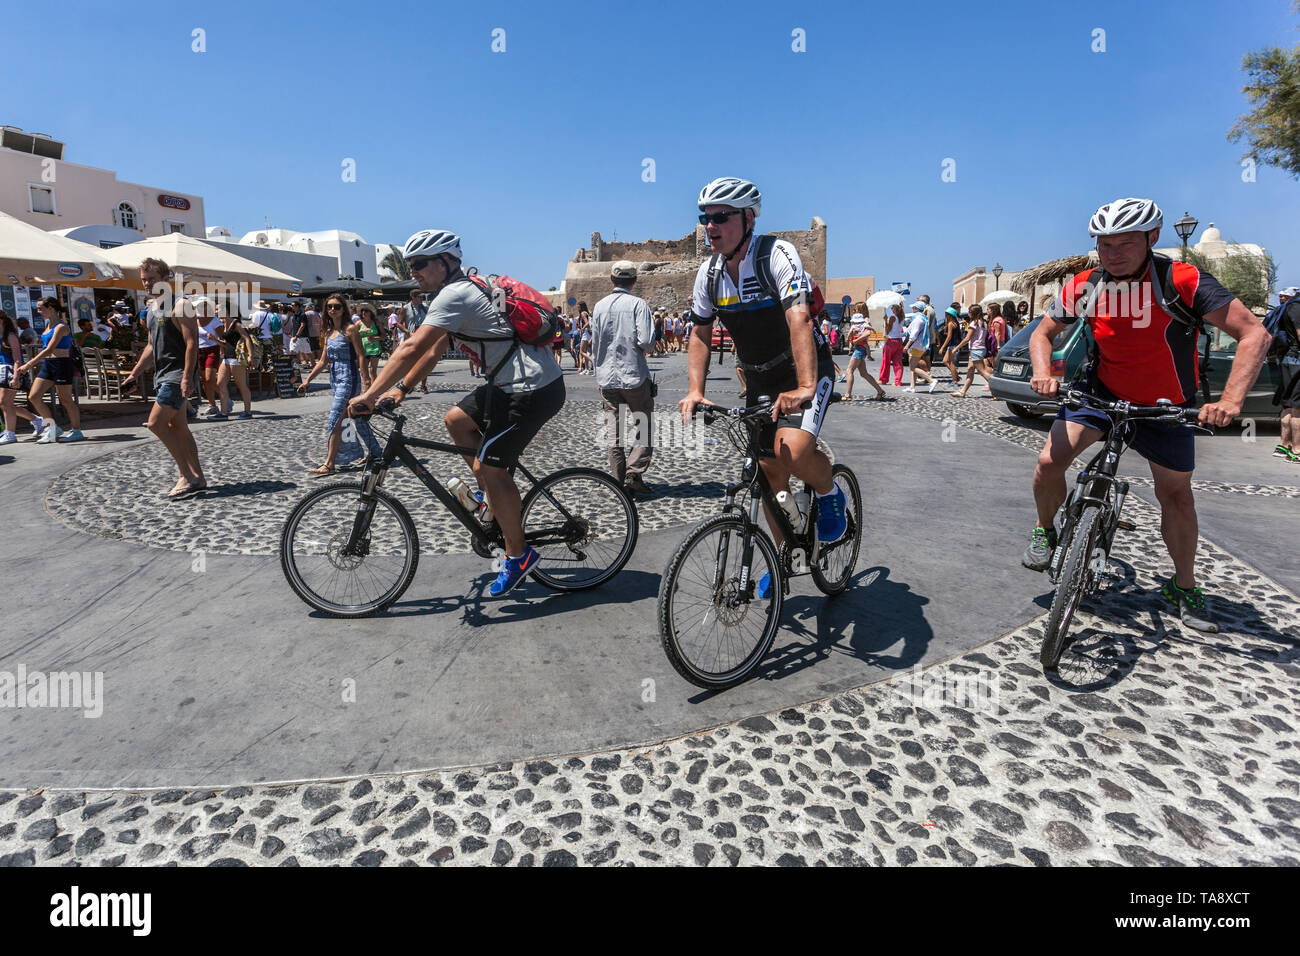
(527, 310)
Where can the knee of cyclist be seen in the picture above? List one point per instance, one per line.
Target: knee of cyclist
(1050, 465)
(1179, 500)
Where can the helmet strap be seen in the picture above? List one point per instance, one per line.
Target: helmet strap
(744, 240)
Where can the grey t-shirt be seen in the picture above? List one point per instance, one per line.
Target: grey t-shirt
(621, 329)
(480, 330)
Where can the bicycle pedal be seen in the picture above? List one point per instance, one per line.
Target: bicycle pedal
(1125, 524)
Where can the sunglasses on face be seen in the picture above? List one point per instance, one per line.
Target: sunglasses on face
(418, 264)
(717, 218)
(333, 305)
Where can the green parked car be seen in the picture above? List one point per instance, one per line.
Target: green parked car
(1012, 370)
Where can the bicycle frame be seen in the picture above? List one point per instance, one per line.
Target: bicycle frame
(398, 449)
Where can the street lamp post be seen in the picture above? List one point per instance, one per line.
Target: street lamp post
(1185, 227)
(997, 275)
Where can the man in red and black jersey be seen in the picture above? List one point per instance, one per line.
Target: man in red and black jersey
(1144, 352)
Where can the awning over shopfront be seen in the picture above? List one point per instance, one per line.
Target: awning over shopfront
(31, 256)
(195, 261)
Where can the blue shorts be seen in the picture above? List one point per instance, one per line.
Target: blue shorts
(60, 370)
(1170, 445)
(169, 394)
(859, 354)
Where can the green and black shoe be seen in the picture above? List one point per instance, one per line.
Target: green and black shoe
(1192, 608)
(1281, 451)
(1039, 553)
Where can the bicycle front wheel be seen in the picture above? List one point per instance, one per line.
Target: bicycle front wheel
(1074, 582)
(714, 631)
(835, 565)
(584, 526)
(314, 540)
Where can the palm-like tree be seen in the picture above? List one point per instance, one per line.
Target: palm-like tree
(395, 264)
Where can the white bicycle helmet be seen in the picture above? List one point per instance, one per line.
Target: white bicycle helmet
(1126, 215)
(728, 191)
(432, 242)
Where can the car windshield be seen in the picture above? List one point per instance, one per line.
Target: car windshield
(1021, 339)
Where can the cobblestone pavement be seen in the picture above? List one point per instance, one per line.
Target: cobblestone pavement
(1155, 745)
(270, 458)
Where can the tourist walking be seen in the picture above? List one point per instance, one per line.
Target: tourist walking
(892, 357)
(54, 368)
(976, 339)
(233, 335)
(917, 345)
(173, 353)
(342, 355)
(622, 334)
(584, 340)
(951, 340)
(209, 325)
(416, 310)
(372, 343)
(859, 355)
(10, 358)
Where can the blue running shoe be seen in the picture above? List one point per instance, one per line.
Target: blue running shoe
(513, 571)
(831, 520)
(765, 586)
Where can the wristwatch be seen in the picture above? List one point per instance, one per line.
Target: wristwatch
(403, 388)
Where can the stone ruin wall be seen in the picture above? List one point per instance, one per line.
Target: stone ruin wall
(666, 268)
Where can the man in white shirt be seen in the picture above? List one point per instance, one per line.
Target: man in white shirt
(622, 334)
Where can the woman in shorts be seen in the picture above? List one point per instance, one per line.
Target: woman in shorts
(585, 364)
(950, 340)
(205, 311)
(859, 355)
(56, 368)
(233, 337)
(976, 335)
(10, 357)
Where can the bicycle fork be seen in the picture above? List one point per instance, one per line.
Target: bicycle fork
(358, 541)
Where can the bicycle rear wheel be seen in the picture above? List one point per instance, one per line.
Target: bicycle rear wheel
(357, 585)
(832, 572)
(1074, 582)
(584, 526)
(714, 634)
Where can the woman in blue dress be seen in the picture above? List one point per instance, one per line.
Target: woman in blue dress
(342, 353)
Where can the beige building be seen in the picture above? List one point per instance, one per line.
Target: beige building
(974, 284)
(857, 288)
(39, 187)
(666, 268)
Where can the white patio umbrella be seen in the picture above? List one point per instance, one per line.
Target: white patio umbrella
(878, 303)
(31, 256)
(1002, 295)
(195, 261)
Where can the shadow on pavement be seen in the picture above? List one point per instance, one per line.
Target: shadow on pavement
(883, 613)
(245, 488)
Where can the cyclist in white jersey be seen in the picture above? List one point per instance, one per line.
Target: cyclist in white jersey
(777, 343)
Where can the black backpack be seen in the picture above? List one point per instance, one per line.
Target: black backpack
(1281, 323)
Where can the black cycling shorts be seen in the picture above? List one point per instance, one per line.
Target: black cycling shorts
(783, 379)
(510, 420)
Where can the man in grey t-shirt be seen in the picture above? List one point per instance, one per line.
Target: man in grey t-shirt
(525, 387)
(622, 333)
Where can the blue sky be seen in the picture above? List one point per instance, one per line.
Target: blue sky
(526, 152)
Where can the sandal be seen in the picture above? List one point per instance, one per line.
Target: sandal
(189, 491)
(322, 470)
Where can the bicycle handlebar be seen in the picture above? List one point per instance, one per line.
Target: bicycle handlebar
(761, 409)
(1163, 410)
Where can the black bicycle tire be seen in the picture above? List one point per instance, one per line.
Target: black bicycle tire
(823, 584)
(309, 597)
(629, 546)
(667, 630)
(1069, 589)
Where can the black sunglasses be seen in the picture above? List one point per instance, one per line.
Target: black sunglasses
(418, 264)
(718, 218)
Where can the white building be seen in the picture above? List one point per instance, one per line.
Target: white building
(39, 187)
(1212, 246)
(353, 256)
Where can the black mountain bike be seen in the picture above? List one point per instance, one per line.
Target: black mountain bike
(1087, 522)
(714, 627)
(350, 549)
